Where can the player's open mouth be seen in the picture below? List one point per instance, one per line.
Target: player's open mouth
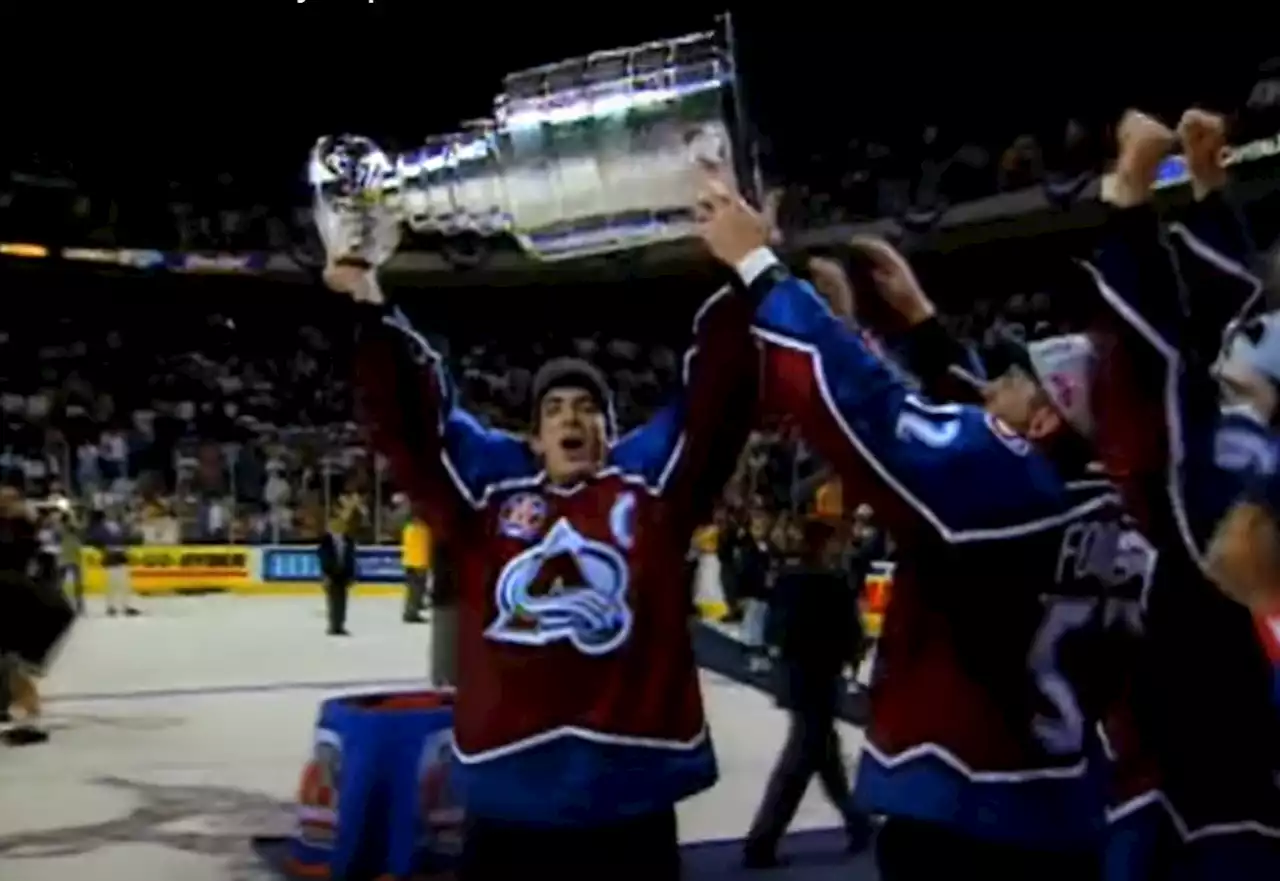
(575, 450)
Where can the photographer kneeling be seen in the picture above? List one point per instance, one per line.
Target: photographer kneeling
(34, 616)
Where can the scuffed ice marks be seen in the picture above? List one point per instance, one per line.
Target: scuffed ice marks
(212, 821)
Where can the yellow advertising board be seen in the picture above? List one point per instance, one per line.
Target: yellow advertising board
(169, 568)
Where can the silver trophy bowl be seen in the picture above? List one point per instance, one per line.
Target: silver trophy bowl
(586, 156)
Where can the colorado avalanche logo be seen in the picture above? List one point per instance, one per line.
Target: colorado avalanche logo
(565, 587)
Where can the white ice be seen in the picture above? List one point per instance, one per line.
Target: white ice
(179, 734)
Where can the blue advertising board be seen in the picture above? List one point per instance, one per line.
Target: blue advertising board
(375, 565)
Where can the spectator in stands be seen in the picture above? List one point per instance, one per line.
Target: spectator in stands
(866, 542)
(730, 540)
(755, 561)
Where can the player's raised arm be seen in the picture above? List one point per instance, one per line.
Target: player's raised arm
(1144, 340)
(688, 450)
(1158, 365)
(1134, 269)
(1178, 291)
(439, 454)
(1215, 247)
(921, 463)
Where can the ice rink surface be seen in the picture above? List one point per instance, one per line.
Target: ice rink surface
(179, 734)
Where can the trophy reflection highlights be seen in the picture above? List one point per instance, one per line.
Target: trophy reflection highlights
(356, 191)
(589, 155)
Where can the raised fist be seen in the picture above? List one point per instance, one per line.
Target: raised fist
(358, 282)
(730, 227)
(1142, 143)
(1204, 140)
(895, 281)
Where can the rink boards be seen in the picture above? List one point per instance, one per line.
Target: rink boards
(284, 570)
(243, 569)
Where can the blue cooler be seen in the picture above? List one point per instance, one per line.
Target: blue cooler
(376, 796)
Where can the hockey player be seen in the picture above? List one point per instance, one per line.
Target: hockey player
(579, 721)
(992, 666)
(1182, 458)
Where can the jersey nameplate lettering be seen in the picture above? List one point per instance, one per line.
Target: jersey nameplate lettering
(564, 588)
(1108, 552)
(1096, 559)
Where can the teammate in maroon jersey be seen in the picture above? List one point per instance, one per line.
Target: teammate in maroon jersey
(995, 656)
(579, 721)
(1182, 452)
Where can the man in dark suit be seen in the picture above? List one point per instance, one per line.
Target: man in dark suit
(337, 553)
(815, 617)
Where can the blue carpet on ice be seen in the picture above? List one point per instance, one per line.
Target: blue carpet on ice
(810, 856)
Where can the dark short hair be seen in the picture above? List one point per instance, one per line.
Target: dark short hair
(561, 373)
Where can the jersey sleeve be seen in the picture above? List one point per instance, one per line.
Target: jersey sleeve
(1215, 250)
(1180, 479)
(1141, 335)
(688, 450)
(440, 455)
(950, 468)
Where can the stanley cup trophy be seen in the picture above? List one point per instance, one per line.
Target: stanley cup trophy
(586, 156)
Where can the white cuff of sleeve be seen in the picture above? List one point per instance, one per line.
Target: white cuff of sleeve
(755, 264)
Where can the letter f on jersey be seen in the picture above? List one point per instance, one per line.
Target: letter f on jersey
(566, 587)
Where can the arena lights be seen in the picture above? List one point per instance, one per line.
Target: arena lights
(23, 249)
(587, 155)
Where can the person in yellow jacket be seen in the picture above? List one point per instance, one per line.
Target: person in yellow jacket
(415, 555)
(828, 502)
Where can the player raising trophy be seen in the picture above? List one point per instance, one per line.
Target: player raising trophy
(578, 718)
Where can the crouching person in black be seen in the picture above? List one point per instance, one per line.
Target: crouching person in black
(818, 633)
(34, 616)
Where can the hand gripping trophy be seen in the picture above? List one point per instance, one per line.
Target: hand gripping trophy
(356, 193)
